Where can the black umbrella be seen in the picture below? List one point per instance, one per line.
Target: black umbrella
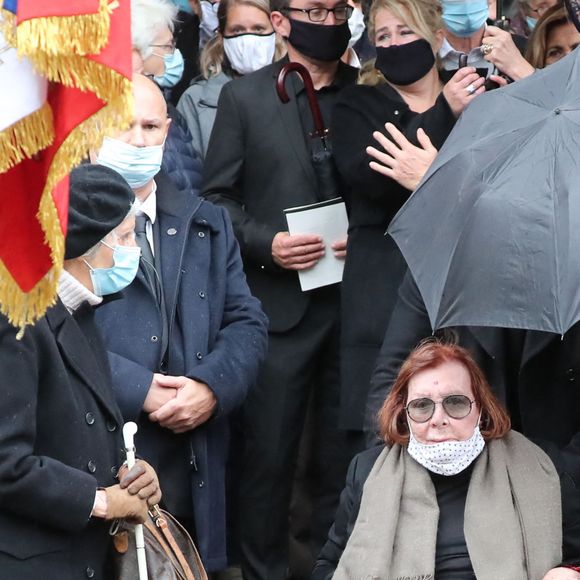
(492, 236)
(320, 147)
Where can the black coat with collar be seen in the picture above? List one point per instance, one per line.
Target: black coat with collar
(257, 165)
(536, 375)
(217, 335)
(59, 441)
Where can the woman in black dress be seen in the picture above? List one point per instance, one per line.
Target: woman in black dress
(405, 90)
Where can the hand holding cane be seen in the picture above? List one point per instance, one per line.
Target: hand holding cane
(129, 430)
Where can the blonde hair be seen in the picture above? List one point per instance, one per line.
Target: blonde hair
(213, 56)
(422, 16)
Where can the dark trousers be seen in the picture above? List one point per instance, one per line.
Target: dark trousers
(300, 362)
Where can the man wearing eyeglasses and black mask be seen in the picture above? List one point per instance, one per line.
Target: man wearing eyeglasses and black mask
(258, 164)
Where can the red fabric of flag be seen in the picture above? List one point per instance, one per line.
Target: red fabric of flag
(34, 193)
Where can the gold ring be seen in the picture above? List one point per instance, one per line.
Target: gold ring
(486, 49)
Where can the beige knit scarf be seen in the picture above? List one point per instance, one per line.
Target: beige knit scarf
(513, 520)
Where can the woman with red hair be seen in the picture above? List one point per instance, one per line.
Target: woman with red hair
(453, 493)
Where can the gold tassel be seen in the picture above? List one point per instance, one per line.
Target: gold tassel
(8, 25)
(26, 137)
(79, 72)
(55, 35)
(24, 308)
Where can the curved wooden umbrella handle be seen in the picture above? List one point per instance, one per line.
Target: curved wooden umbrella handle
(302, 71)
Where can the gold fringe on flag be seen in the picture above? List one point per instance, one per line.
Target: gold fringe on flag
(25, 308)
(55, 35)
(26, 137)
(56, 47)
(8, 25)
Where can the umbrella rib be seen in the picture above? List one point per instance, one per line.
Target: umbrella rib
(556, 249)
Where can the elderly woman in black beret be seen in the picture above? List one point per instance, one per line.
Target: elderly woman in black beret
(60, 428)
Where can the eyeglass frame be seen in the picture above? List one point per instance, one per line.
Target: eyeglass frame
(349, 10)
(442, 403)
(167, 46)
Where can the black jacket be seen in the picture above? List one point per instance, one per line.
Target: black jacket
(346, 514)
(374, 265)
(180, 161)
(59, 441)
(257, 165)
(535, 374)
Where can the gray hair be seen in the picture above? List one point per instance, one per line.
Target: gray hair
(147, 18)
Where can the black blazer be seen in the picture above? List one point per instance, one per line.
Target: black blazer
(59, 441)
(535, 374)
(257, 165)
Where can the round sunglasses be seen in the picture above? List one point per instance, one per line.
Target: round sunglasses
(456, 406)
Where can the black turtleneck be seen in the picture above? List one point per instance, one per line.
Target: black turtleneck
(452, 560)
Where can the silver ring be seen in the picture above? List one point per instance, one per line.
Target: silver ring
(470, 89)
(486, 48)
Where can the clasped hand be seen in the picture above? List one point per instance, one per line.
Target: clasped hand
(179, 403)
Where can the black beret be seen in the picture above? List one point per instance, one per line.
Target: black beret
(99, 200)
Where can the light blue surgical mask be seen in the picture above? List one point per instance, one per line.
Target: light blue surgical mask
(531, 22)
(183, 5)
(120, 274)
(464, 17)
(138, 165)
(173, 70)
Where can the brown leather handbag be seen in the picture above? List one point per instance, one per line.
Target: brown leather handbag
(171, 553)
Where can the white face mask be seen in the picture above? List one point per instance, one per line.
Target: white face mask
(250, 52)
(138, 165)
(449, 457)
(356, 24)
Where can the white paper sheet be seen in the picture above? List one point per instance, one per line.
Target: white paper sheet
(329, 220)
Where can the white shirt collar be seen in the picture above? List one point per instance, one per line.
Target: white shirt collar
(450, 57)
(149, 206)
(72, 293)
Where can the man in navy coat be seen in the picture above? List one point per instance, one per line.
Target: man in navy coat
(186, 339)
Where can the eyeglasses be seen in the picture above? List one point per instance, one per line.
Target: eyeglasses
(456, 406)
(167, 48)
(341, 13)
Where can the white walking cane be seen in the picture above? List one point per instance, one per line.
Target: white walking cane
(129, 430)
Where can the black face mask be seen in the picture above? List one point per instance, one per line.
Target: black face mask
(404, 64)
(319, 42)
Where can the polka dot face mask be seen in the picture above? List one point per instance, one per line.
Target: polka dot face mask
(448, 457)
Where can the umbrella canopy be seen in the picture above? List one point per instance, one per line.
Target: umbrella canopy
(492, 235)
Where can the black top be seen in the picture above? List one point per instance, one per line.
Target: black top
(372, 198)
(452, 560)
(326, 97)
(374, 266)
